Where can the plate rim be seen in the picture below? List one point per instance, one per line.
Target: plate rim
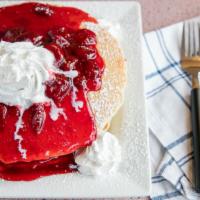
(136, 4)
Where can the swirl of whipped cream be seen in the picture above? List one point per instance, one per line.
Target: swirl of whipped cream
(101, 158)
(23, 70)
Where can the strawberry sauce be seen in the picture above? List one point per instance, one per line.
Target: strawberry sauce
(49, 143)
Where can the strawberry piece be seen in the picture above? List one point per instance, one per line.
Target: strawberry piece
(67, 33)
(14, 35)
(38, 118)
(3, 113)
(58, 53)
(86, 53)
(37, 40)
(93, 74)
(85, 37)
(59, 39)
(70, 64)
(44, 10)
(58, 88)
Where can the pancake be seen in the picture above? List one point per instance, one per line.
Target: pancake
(104, 105)
(107, 101)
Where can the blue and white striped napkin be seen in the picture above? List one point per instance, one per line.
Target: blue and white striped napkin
(169, 115)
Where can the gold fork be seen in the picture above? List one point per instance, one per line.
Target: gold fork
(190, 57)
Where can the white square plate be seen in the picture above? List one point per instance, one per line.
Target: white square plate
(129, 125)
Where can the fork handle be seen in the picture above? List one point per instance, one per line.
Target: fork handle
(195, 95)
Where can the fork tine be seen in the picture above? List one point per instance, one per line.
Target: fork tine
(196, 38)
(183, 53)
(184, 48)
(191, 38)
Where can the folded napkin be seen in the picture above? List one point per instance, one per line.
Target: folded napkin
(169, 115)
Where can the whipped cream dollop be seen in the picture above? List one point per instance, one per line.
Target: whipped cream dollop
(23, 70)
(102, 157)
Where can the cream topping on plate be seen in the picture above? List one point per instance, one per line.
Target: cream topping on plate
(101, 158)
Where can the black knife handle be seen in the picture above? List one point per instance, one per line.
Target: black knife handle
(195, 95)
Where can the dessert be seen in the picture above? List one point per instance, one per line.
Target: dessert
(61, 79)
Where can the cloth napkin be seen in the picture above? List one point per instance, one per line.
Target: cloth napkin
(169, 115)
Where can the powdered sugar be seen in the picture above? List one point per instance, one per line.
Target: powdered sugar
(107, 101)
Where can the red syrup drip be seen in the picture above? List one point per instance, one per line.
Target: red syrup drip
(58, 30)
(29, 171)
